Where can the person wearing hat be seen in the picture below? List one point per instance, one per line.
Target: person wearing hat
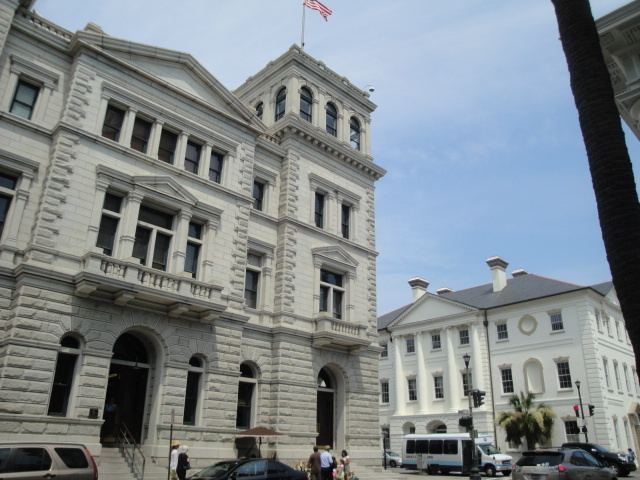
(173, 461)
(183, 462)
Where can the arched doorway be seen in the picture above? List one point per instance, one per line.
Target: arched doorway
(325, 416)
(126, 389)
(436, 426)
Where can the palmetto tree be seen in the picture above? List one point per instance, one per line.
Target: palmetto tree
(533, 422)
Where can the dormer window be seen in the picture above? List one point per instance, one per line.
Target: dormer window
(332, 119)
(281, 100)
(354, 135)
(306, 104)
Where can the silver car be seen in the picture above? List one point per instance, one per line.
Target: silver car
(560, 464)
(31, 461)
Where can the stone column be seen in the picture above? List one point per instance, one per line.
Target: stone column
(330, 212)
(13, 220)
(102, 112)
(400, 387)
(205, 162)
(366, 137)
(181, 150)
(129, 224)
(293, 96)
(476, 356)
(453, 392)
(180, 241)
(154, 141)
(315, 112)
(423, 388)
(267, 283)
(322, 113)
(345, 126)
(96, 215)
(12, 84)
(208, 252)
(127, 127)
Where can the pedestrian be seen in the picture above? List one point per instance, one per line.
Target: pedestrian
(314, 464)
(326, 464)
(173, 460)
(632, 455)
(347, 464)
(183, 462)
(340, 475)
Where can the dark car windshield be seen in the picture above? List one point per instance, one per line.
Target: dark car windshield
(216, 471)
(530, 459)
(599, 448)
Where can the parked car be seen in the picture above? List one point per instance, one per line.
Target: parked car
(560, 464)
(31, 461)
(249, 469)
(620, 462)
(392, 459)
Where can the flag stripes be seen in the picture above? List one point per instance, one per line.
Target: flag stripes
(321, 8)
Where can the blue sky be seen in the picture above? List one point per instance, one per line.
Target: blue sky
(475, 124)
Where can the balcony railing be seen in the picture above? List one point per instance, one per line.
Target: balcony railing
(129, 281)
(335, 332)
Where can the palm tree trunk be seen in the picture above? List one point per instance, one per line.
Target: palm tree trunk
(609, 163)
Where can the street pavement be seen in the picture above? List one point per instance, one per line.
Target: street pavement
(413, 475)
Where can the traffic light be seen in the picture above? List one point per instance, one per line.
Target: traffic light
(591, 409)
(466, 422)
(576, 409)
(478, 397)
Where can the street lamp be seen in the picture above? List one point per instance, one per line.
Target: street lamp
(584, 423)
(475, 473)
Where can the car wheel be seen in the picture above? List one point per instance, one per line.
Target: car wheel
(392, 463)
(623, 472)
(432, 469)
(506, 473)
(490, 470)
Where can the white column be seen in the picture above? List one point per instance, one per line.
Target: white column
(400, 381)
(267, 282)
(293, 96)
(207, 253)
(345, 128)
(453, 392)
(315, 112)
(205, 161)
(476, 355)
(42, 103)
(154, 141)
(129, 224)
(11, 88)
(321, 121)
(127, 127)
(366, 137)
(96, 214)
(423, 387)
(180, 241)
(181, 150)
(102, 112)
(330, 212)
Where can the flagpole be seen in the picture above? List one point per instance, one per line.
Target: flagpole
(302, 37)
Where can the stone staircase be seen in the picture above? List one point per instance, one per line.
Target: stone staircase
(112, 466)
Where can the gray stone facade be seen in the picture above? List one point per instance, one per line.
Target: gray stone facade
(56, 284)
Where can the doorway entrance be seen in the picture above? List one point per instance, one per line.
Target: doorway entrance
(126, 390)
(325, 421)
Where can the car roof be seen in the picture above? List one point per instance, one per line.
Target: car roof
(41, 444)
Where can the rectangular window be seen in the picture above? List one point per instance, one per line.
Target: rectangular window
(113, 123)
(153, 238)
(8, 185)
(435, 447)
(607, 324)
(109, 223)
(413, 390)
(564, 375)
(258, 194)
(24, 99)
(438, 386)
(140, 135)
(215, 167)
(346, 221)
(331, 293)
(62, 381)
(616, 374)
(193, 249)
(384, 392)
(464, 337)
(192, 157)
(507, 380)
(385, 350)
(556, 321)
(167, 146)
(605, 366)
(410, 344)
(467, 382)
(503, 333)
(251, 288)
(319, 210)
(191, 398)
(625, 371)
(435, 341)
(618, 330)
(450, 447)
(598, 321)
(572, 430)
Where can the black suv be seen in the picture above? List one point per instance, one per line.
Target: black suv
(618, 461)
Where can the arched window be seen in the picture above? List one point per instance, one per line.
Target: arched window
(246, 396)
(354, 136)
(281, 100)
(63, 376)
(306, 104)
(332, 119)
(259, 110)
(194, 374)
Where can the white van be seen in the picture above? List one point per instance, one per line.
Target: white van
(447, 452)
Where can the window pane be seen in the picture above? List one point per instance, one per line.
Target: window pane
(140, 135)
(30, 460)
(259, 110)
(346, 220)
(280, 103)
(215, 167)
(337, 304)
(5, 203)
(258, 194)
(319, 210)
(332, 119)
(107, 234)
(192, 157)
(191, 260)
(191, 398)
(251, 288)
(161, 251)
(330, 277)
(4, 458)
(113, 123)
(306, 102)
(73, 457)
(255, 260)
(62, 380)
(195, 230)
(112, 202)
(141, 244)
(8, 181)
(245, 396)
(155, 217)
(324, 298)
(24, 100)
(355, 133)
(167, 147)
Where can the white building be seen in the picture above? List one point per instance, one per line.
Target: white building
(182, 251)
(527, 333)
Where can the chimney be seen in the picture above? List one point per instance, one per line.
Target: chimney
(519, 273)
(442, 290)
(498, 273)
(418, 287)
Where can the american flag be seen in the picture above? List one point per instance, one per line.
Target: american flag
(321, 8)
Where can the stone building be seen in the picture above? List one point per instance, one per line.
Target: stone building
(525, 334)
(177, 252)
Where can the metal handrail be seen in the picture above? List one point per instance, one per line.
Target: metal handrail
(129, 447)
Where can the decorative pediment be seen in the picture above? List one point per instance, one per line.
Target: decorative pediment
(334, 256)
(431, 309)
(164, 186)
